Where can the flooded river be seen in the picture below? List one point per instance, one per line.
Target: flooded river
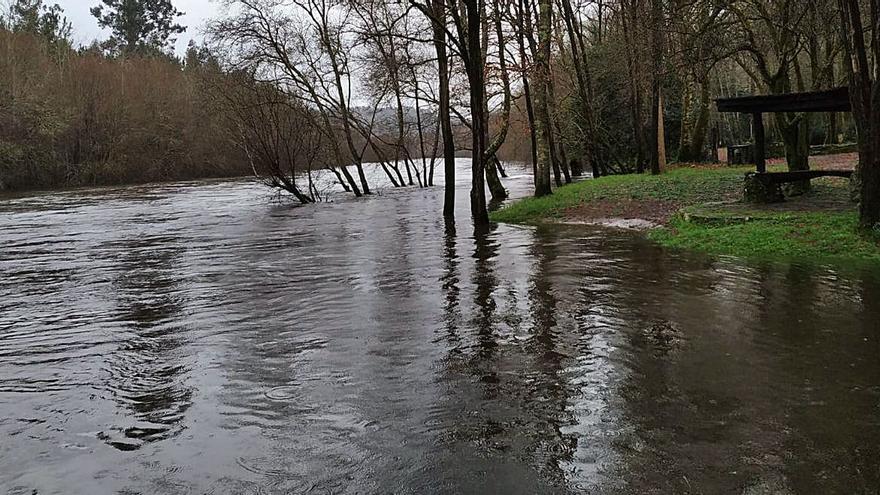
(199, 338)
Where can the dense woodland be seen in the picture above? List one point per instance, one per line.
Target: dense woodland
(286, 89)
(94, 116)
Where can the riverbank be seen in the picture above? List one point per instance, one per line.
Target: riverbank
(699, 208)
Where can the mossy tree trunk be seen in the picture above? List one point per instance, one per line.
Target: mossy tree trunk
(543, 126)
(794, 130)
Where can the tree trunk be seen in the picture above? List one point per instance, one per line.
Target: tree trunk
(560, 163)
(525, 33)
(658, 154)
(638, 128)
(400, 149)
(698, 135)
(543, 128)
(530, 113)
(661, 136)
(658, 140)
(554, 159)
(474, 68)
(693, 134)
(496, 187)
(794, 128)
(428, 175)
(684, 139)
(636, 107)
(865, 99)
(346, 120)
(584, 83)
(439, 26)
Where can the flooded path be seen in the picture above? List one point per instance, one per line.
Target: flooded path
(197, 338)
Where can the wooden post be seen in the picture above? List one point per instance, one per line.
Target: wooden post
(715, 136)
(758, 123)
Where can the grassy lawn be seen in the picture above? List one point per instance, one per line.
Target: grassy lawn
(830, 237)
(681, 186)
(818, 226)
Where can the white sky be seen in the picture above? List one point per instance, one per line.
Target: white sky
(85, 27)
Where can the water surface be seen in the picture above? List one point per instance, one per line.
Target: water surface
(199, 338)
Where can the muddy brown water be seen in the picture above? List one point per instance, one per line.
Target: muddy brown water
(198, 338)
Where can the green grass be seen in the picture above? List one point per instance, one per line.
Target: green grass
(824, 237)
(683, 186)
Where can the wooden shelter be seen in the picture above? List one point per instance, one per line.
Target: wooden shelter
(832, 100)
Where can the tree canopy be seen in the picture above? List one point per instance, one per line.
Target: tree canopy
(139, 25)
(35, 17)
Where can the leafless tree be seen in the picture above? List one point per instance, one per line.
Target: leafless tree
(861, 39)
(276, 133)
(303, 45)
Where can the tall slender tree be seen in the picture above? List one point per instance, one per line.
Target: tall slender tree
(470, 29)
(658, 147)
(438, 8)
(543, 125)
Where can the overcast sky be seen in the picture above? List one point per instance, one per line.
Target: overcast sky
(85, 27)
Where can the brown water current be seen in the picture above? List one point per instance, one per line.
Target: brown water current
(200, 338)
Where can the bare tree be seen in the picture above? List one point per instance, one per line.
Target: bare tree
(861, 37)
(302, 45)
(492, 164)
(276, 134)
(771, 41)
(581, 69)
(465, 38)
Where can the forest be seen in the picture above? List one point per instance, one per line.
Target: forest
(282, 89)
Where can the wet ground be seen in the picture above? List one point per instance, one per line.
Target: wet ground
(198, 338)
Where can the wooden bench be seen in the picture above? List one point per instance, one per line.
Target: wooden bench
(831, 100)
(765, 187)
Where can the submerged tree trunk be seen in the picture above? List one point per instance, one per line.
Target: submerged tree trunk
(474, 67)
(439, 27)
(496, 188)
